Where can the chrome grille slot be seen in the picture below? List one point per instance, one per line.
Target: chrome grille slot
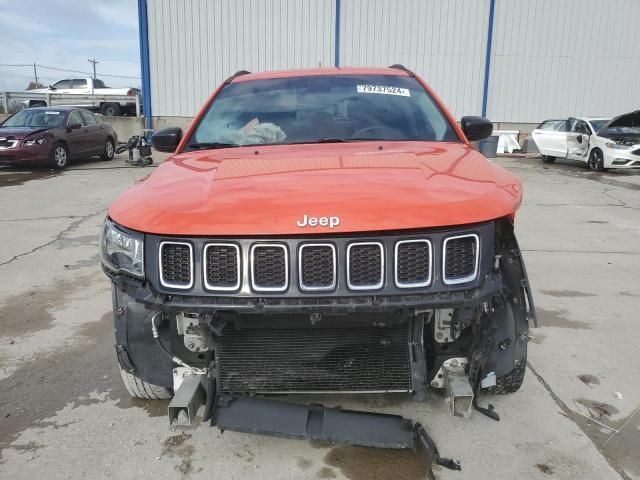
(176, 264)
(460, 259)
(413, 260)
(269, 267)
(317, 266)
(222, 266)
(365, 265)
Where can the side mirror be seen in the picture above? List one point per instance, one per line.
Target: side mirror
(166, 139)
(476, 128)
(51, 87)
(73, 126)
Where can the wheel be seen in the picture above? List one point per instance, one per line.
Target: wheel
(596, 161)
(109, 150)
(548, 159)
(110, 109)
(140, 389)
(60, 156)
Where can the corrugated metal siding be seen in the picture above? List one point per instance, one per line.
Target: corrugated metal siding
(195, 44)
(442, 41)
(549, 58)
(557, 58)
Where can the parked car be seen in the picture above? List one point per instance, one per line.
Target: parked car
(600, 143)
(55, 136)
(90, 86)
(325, 230)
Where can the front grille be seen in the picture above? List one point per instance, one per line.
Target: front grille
(269, 267)
(314, 360)
(365, 265)
(460, 259)
(8, 143)
(317, 266)
(176, 264)
(413, 263)
(222, 266)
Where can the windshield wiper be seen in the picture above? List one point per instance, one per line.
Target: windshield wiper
(321, 140)
(211, 145)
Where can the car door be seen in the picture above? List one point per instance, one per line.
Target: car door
(95, 133)
(551, 138)
(578, 139)
(77, 135)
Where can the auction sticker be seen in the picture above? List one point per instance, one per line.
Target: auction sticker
(383, 89)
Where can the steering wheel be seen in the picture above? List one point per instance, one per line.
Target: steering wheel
(368, 132)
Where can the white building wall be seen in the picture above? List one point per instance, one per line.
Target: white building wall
(555, 58)
(550, 58)
(195, 44)
(443, 41)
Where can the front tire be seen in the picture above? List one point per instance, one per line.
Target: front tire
(548, 159)
(109, 150)
(60, 156)
(596, 161)
(138, 388)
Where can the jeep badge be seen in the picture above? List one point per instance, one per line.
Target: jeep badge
(330, 222)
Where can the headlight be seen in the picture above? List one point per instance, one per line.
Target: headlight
(122, 251)
(35, 141)
(618, 146)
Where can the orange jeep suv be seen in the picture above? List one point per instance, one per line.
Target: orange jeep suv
(319, 231)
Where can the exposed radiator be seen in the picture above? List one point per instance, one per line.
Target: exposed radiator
(314, 360)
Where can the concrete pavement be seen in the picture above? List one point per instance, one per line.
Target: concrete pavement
(65, 414)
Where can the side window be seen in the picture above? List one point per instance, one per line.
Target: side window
(62, 84)
(98, 83)
(573, 125)
(75, 117)
(88, 117)
(553, 125)
(549, 125)
(583, 128)
(578, 126)
(79, 83)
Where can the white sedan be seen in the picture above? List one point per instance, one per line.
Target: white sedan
(598, 142)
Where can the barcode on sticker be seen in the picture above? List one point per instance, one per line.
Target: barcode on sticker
(383, 89)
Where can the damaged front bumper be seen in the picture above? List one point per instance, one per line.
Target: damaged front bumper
(269, 417)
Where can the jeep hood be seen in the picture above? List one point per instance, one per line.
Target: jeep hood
(370, 186)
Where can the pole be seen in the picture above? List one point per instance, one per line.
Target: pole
(93, 62)
(35, 74)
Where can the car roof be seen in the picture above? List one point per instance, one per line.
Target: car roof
(327, 71)
(58, 109)
(591, 119)
(587, 119)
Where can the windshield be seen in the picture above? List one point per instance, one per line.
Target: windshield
(321, 108)
(598, 124)
(36, 118)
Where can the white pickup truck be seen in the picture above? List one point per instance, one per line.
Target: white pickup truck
(91, 86)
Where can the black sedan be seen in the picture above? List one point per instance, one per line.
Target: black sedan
(54, 136)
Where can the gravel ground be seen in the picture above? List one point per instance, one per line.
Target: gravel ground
(65, 414)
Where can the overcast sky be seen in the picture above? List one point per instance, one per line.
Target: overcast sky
(64, 34)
